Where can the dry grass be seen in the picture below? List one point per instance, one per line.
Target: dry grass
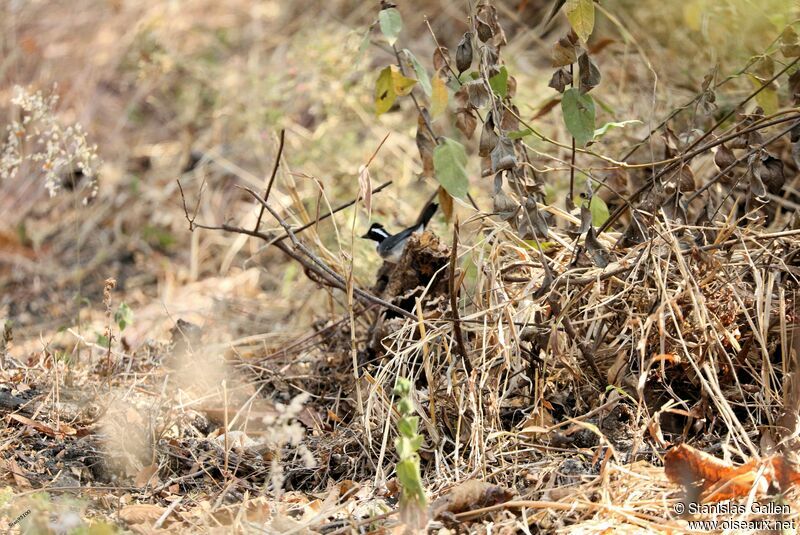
(246, 397)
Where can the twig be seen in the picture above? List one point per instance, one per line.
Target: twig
(318, 266)
(584, 349)
(168, 512)
(272, 177)
(689, 153)
(570, 201)
(737, 161)
(462, 350)
(267, 238)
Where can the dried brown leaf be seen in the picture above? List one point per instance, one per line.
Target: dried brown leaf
(62, 431)
(560, 80)
(589, 73)
(141, 513)
(17, 474)
(446, 203)
(145, 476)
(712, 480)
(504, 157)
(469, 495)
(464, 53)
(466, 122)
(441, 58)
(488, 139)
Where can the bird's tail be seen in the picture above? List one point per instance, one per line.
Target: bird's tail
(427, 214)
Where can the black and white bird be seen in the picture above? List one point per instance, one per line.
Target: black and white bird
(390, 246)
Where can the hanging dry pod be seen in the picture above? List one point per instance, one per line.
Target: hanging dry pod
(504, 157)
(590, 75)
(464, 53)
(488, 136)
(560, 80)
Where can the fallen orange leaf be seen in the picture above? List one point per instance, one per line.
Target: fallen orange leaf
(711, 480)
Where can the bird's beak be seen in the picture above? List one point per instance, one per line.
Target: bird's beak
(365, 235)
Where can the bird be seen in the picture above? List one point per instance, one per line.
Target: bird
(390, 246)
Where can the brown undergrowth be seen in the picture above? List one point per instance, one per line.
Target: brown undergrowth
(251, 390)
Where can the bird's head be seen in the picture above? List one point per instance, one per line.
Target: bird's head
(376, 233)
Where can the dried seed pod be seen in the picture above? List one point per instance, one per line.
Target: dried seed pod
(771, 173)
(489, 137)
(565, 51)
(504, 206)
(504, 157)
(560, 80)
(686, 180)
(533, 224)
(724, 157)
(510, 120)
(589, 75)
(595, 249)
(794, 87)
(464, 53)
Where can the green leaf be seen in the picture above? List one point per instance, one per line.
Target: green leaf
(408, 426)
(449, 164)
(499, 82)
(123, 316)
(404, 448)
(384, 91)
(402, 85)
(422, 74)
(439, 96)
(402, 387)
(102, 340)
(599, 210)
(578, 112)
(580, 14)
(519, 134)
(768, 97)
(408, 475)
(389, 85)
(606, 127)
(391, 23)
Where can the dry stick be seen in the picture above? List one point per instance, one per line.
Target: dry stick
(265, 237)
(686, 156)
(334, 211)
(739, 160)
(584, 349)
(307, 338)
(462, 350)
(570, 201)
(321, 268)
(272, 177)
(685, 106)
